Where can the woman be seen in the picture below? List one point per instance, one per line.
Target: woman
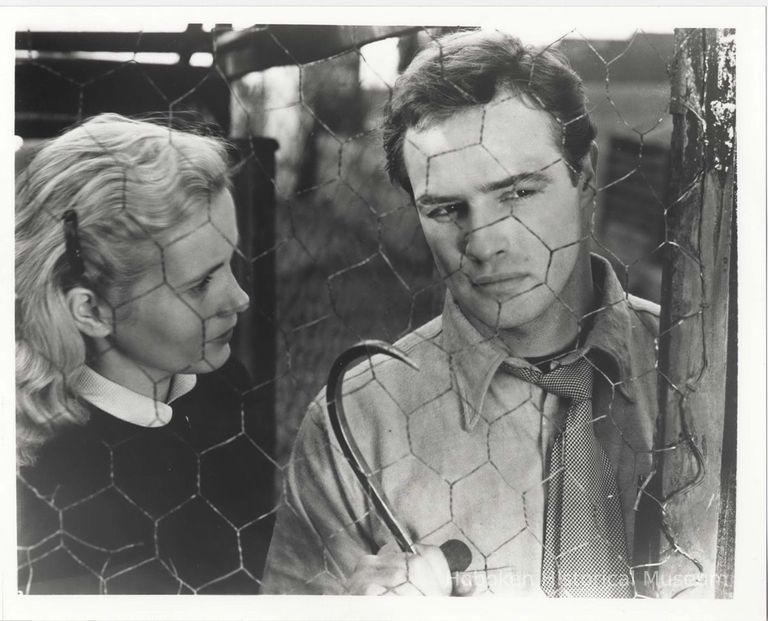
(128, 478)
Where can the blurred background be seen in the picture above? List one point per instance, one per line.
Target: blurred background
(351, 261)
(332, 252)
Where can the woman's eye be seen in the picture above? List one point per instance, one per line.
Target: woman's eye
(203, 284)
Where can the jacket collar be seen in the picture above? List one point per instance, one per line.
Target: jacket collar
(475, 359)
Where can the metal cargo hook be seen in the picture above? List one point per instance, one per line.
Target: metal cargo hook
(457, 553)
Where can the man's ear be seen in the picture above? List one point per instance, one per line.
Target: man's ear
(91, 317)
(588, 177)
(587, 184)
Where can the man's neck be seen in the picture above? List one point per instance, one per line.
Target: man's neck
(539, 338)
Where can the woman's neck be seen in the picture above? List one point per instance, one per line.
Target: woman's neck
(151, 383)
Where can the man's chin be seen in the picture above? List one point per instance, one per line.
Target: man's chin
(491, 319)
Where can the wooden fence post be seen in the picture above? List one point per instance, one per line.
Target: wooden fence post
(697, 361)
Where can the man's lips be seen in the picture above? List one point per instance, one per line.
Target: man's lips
(500, 284)
(496, 279)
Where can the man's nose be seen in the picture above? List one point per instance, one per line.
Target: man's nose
(487, 237)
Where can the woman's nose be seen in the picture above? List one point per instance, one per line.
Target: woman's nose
(237, 301)
(243, 301)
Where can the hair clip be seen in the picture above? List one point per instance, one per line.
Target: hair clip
(72, 242)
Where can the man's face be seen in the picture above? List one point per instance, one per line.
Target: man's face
(500, 213)
(187, 304)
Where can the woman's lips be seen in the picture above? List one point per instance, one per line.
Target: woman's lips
(224, 336)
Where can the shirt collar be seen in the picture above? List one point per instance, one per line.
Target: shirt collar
(130, 406)
(475, 359)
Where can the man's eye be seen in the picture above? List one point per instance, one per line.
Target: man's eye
(519, 194)
(445, 212)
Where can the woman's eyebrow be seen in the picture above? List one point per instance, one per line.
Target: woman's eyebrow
(211, 270)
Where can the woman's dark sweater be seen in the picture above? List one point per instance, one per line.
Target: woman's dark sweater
(112, 507)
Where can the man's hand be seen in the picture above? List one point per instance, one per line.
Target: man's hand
(401, 573)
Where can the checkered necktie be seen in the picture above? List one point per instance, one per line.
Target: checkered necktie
(584, 543)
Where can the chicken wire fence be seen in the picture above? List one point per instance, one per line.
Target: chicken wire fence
(350, 263)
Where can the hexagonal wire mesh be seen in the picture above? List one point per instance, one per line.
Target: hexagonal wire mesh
(188, 506)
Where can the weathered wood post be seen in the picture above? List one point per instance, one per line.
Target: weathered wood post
(697, 345)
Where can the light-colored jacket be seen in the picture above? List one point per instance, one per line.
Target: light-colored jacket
(460, 448)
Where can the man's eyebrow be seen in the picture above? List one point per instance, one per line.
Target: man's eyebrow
(538, 176)
(427, 200)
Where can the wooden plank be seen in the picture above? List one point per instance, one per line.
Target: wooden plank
(726, 529)
(256, 342)
(194, 39)
(52, 94)
(262, 47)
(695, 302)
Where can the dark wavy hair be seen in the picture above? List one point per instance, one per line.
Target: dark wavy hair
(471, 68)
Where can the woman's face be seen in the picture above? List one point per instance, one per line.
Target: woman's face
(182, 312)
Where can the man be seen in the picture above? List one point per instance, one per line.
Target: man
(527, 431)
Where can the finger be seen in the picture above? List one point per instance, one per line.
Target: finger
(375, 589)
(361, 585)
(390, 547)
(386, 577)
(375, 580)
(408, 590)
(379, 561)
(428, 571)
(463, 585)
(425, 572)
(436, 561)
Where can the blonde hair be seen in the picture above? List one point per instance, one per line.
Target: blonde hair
(129, 182)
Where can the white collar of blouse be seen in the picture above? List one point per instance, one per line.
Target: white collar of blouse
(130, 406)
